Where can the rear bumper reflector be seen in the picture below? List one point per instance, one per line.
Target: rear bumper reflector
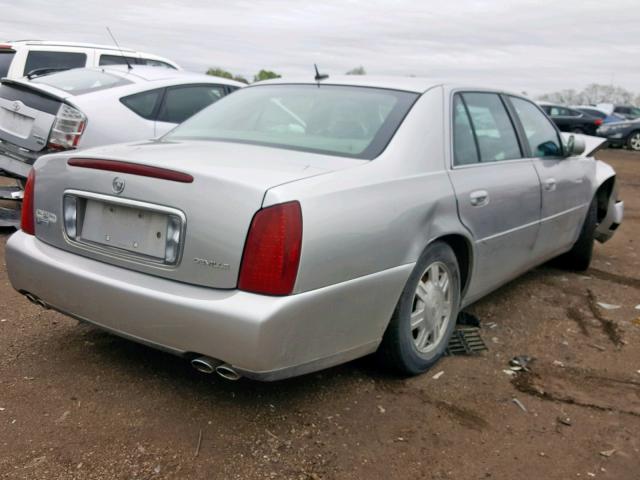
(131, 168)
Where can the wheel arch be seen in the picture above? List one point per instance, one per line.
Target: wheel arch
(463, 250)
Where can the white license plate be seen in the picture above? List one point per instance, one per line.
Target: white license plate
(15, 123)
(137, 231)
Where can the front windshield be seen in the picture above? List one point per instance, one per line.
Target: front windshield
(355, 122)
(81, 80)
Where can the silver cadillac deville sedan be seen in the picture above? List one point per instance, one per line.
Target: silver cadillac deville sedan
(296, 225)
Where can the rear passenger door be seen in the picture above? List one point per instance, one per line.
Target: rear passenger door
(565, 181)
(496, 187)
(184, 101)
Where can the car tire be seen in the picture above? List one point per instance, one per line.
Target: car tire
(633, 141)
(408, 346)
(579, 257)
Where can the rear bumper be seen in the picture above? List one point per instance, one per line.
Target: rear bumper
(13, 166)
(266, 338)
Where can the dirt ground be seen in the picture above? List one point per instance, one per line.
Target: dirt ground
(77, 403)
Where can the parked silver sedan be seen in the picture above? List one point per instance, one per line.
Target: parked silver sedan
(293, 226)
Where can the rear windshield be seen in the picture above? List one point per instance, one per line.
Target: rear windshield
(80, 80)
(347, 121)
(5, 62)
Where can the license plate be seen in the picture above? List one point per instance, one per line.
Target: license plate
(15, 123)
(138, 231)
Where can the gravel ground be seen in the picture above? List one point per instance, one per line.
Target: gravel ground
(77, 403)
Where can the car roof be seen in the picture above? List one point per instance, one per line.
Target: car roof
(54, 43)
(409, 84)
(139, 77)
(142, 74)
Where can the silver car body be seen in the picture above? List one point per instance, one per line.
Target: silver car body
(109, 120)
(365, 224)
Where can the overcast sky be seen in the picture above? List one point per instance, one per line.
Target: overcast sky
(534, 46)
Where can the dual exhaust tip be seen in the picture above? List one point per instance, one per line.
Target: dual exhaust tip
(210, 365)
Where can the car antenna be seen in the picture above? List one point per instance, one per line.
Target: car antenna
(129, 67)
(319, 76)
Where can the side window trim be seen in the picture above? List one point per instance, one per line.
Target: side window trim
(518, 126)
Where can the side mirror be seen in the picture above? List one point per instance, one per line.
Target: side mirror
(575, 145)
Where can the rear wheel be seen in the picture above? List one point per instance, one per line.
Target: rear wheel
(633, 142)
(579, 257)
(424, 319)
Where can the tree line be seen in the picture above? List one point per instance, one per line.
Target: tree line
(592, 95)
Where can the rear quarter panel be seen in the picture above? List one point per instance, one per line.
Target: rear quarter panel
(379, 215)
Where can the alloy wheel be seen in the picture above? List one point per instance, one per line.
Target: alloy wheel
(432, 307)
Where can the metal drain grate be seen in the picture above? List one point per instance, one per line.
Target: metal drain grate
(465, 341)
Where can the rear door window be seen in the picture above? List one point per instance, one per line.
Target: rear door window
(155, 63)
(5, 62)
(42, 59)
(117, 60)
(144, 104)
(183, 102)
(542, 137)
(493, 128)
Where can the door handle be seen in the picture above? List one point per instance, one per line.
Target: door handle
(549, 184)
(479, 198)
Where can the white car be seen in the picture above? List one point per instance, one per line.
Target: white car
(27, 57)
(84, 107)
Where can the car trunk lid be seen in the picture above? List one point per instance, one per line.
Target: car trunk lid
(128, 219)
(27, 114)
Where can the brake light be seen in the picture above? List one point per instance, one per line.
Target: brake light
(131, 168)
(27, 217)
(67, 129)
(598, 122)
(272, 250)
(4, 46)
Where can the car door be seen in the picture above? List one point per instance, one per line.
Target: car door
(565, 181)
(496, 187)
(183, 101)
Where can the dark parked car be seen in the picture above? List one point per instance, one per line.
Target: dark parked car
(571, 120)
(621, 134)
(599, 113)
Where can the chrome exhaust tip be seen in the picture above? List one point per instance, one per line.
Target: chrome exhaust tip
(205, 364)
(36, 301)
(227, 372)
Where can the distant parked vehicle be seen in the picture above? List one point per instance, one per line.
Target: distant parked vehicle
(622, 134)
(628, 112)
(91, 107)
(606, 116)
(33, 57)
(571, 120)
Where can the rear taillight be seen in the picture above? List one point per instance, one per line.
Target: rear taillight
(67, 128)
(27, 219)
(598, 122)
(272, 250)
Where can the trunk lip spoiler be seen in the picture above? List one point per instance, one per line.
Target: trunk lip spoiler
(139, 169)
